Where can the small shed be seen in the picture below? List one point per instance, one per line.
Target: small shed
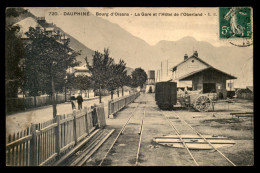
(245, 93)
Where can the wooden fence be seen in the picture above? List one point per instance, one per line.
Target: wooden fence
(119, 103)
(43, 143)
(20, 104)
(246, 96)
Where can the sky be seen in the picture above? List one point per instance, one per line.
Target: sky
(171, 28)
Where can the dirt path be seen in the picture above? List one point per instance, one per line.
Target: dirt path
(20, 121)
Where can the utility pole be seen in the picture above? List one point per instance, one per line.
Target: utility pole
(159, 76)
(53, 98)
(53, 92)
(161, 70)
(66, 78)
(230, 83)
(167, 68)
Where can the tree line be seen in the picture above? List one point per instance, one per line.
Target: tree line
(106, 74)
(39, 64)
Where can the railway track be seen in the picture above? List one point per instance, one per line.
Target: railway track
(79, 156)
(183, 125)
(135, 135)
(127, 144)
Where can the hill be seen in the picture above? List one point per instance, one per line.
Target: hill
(27, 20)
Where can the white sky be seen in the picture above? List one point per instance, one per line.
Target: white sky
(152, 29)
(172, 28)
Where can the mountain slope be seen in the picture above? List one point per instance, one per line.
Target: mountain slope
(95, 33)
(230, 59)
(98, 33)
(27, 20)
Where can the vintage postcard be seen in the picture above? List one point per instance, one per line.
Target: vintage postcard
(129, 86)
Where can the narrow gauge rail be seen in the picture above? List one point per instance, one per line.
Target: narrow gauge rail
(122, 131)
(140, 140)
(200, 135)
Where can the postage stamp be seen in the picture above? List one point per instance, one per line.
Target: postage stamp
(235, 22)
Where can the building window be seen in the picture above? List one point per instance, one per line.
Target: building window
(192, 61)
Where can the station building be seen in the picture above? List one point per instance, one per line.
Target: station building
(200, 75)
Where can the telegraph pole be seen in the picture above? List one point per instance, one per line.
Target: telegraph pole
(161, 70)
(167, 68)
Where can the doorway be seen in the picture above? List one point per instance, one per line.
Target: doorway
(209, 87)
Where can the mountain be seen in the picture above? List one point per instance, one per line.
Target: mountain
(225, 58)
(28, 19)
(246, 74)
(95, 33)
(78, 46)
(230, 59)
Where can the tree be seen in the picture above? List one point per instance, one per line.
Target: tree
(46, 63)
(82, 82)
(139, 77)
(128, 80)
(111, 84)
(70, 81)
(14, 54)
(122, 78)
(89, 84)
(100, 70)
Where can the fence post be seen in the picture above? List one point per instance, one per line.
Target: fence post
(100, 113)
(33, 152)
(86, 118)
(57, 132)
(74, 127)
(109, 108)
(94, 116)
(112, 107)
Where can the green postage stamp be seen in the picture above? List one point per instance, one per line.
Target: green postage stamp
(235, 22)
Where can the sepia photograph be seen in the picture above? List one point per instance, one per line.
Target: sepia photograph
(129, 86)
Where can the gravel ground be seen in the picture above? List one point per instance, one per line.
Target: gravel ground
(218, 123)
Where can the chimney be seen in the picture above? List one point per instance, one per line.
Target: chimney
(195, 53)
(185, 57)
